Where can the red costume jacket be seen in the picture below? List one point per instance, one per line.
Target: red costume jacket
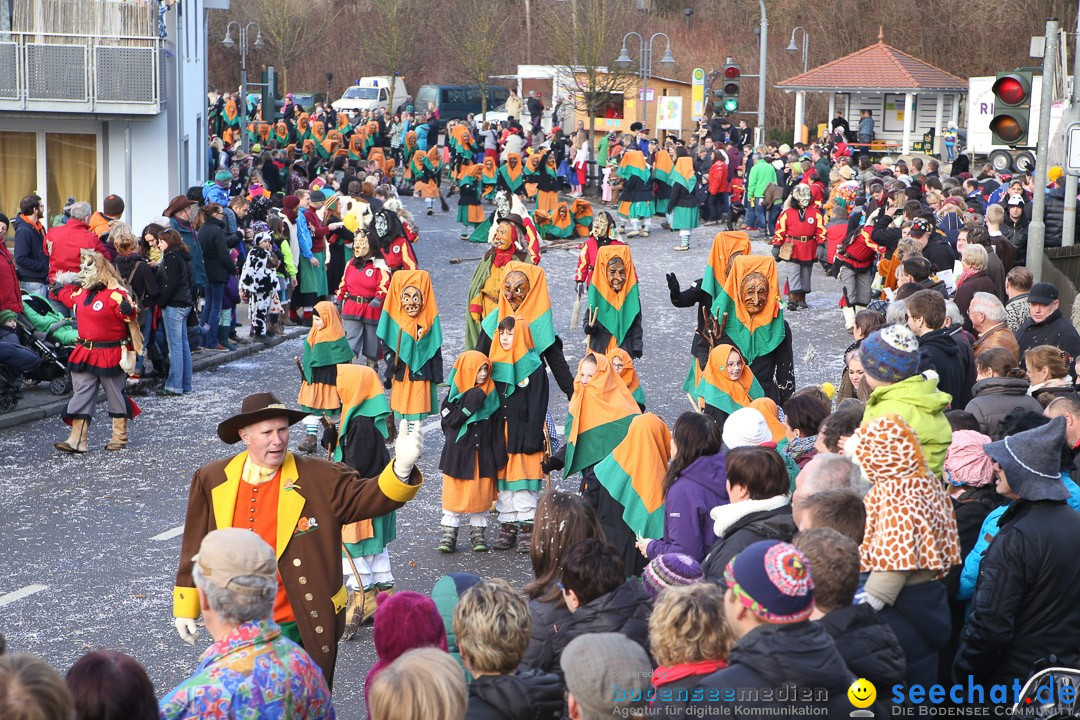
(319, 231)
(587, 259)
(862, 251)
(806, 230)
(399, 255)
(363, 290)
(101, 318)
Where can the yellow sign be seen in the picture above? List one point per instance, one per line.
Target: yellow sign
(697, 93)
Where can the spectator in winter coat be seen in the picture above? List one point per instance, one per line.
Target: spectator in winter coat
(491, 625)
(1017, 286)
(175, 297)
(694, 484)
(13, 356)
(719, 188)
(689, 634)
(974, 279)
(768, 603)
(760, 509)
(890, 359)
(938, 349)
(1046, 325)
(600, 598)
(31, 260)
(219, 266)
(67, 241)
(10, 297)
(1029, 581)
(562, 520)
(1055, 212)
(987, 316)
(825, 471)
(865, 641)
(934, 248)
(594, 666)
(1000, 387)
(112, 210)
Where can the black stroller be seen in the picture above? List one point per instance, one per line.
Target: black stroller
(53, 354)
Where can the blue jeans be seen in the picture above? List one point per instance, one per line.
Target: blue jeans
(176, 330)
(35, 288)
(755, 214)
(211, 313)
(147, 325)
(771, 216)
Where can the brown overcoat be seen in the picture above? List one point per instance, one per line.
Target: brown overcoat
(315, 500)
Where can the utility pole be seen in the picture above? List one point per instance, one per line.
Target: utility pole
(1068, 219)
(763, 61)
(1037, 228)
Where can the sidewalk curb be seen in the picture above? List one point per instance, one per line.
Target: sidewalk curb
(28, 415)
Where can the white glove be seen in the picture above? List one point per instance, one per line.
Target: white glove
(186, 628)
(407, 448)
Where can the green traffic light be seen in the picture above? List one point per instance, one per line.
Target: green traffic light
(731, 105)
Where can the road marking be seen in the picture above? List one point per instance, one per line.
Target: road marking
(169, 534)
(21, 593)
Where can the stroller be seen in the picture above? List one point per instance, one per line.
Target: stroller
(54, 356)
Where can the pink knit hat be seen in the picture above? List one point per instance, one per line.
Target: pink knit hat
(965, 461)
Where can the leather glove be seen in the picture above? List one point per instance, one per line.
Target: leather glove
(673, 284)
(590, 329)
(776, 252)
(552, 462)
(407, 448)
(187, 630)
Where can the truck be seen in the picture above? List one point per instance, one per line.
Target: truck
(371, 93)
(980, 111)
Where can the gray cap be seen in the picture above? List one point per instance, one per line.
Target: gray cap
(604, 671)
(1032, 461)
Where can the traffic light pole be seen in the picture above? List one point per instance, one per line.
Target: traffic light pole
(1037, 228)
(1068, 218)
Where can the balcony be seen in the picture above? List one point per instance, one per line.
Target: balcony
(68, 73)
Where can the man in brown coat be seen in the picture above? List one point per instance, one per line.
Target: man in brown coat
(298, 505)
(987, 316)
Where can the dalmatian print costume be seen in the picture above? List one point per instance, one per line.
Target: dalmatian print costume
(258, 282)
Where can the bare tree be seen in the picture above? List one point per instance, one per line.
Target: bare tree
(587, 43)
(389, 45)
(290, 27)
(475, 33)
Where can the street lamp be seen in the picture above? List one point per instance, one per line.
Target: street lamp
(645, 56)
(228, 42)
(805, 46)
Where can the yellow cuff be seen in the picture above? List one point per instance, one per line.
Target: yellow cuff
(185, 602)
(393, 488)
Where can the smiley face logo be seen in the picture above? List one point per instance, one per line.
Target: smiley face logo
(862, 693)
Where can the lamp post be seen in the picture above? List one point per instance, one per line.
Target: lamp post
(805, 46)
(645, 62)
(258, 45)
(763, 62)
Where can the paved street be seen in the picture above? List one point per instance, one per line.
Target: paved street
(92, 541)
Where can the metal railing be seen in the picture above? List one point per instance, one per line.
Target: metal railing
(61, 72)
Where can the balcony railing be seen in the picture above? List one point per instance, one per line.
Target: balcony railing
(55, 72)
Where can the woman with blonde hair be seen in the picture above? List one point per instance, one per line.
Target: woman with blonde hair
(422, 684)
(1048, 371)
(689, 636)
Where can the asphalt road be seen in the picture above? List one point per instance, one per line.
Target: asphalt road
(91, 542)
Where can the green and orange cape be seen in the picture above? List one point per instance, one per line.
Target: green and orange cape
(599, 417)
(633, 474)
(755, 335)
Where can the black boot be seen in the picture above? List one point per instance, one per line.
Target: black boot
(507, 535)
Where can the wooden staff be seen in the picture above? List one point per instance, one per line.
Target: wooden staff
(592, 323)
(693, 404)
(547, 454)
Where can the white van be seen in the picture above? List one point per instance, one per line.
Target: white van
(371, 93)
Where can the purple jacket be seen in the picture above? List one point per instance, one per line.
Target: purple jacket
(688, 527)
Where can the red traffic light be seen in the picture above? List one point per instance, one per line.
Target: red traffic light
(731, 72)
(1012, 89)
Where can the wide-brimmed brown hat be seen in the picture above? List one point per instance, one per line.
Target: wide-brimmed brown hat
(178, 203)
(256, 408)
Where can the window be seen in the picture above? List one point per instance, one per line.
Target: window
(18, 168)
(70, 169)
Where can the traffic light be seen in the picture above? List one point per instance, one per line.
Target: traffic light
(729, 92)
(1012, 107)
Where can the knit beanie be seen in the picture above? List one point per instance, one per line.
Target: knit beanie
(113, 206)
(890, 354)
(746, 426)
(966, 463)
(7, 316)
(772, 579)
(222, 176)
(670, 570)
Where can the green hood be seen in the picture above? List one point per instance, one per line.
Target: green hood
(918, 401)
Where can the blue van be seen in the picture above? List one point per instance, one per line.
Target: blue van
(457, 101)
